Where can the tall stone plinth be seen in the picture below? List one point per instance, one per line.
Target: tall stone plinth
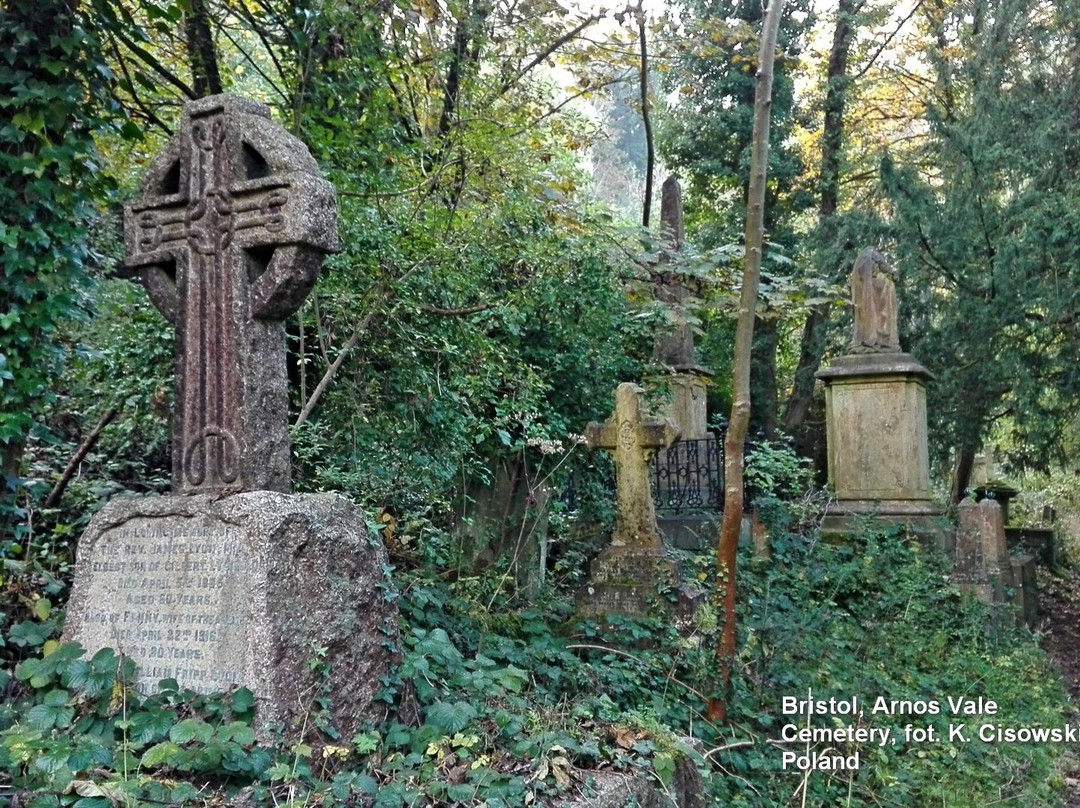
(875, 410)
(247, 590)
(685, 406)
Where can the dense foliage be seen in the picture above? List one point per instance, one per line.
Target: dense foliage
(514, 706)
(987, 244)
(50, 72)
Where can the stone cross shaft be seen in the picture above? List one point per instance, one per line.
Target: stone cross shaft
(633, 438)
(228, 236)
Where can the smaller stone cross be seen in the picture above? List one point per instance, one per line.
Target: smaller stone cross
(633, 438)
(227, 237)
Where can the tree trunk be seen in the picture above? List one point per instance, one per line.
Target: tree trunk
(646, 119)
(832, 139)
(763, 397)
(205, 76)
(965, 463)
(10, 459)
(744, 336)
(465, 56)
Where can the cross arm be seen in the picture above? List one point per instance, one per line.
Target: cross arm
(601, 436)
(659, 434)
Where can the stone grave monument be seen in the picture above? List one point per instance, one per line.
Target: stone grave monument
(683, 473)
(633, 568)
(686, 403)
(875, 411)
(983, 566)
(231, 580)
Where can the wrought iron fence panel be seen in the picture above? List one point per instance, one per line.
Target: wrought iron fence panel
(689, 475)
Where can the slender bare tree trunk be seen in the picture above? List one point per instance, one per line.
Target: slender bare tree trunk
(646, 119)
(202, 54)
(832, 140)
(744, 335)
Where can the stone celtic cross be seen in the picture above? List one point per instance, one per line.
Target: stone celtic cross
(227, 237)
(633, 438)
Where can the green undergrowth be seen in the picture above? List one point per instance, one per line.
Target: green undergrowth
(495, 704)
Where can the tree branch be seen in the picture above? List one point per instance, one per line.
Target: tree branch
(544, 54)
(455, 312)
(53, 499)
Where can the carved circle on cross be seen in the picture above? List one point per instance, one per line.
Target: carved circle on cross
(626, 434)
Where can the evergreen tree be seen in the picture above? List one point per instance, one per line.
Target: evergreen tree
(706, 137)
(988, 235)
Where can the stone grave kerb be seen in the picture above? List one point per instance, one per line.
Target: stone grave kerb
(983, 566)
(633, 438)
(227, 236)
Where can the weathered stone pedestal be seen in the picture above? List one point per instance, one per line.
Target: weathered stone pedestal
(875, 409)
(685, 407)
(242, 591)
(685, 483)
(985, 569)
(627, 581)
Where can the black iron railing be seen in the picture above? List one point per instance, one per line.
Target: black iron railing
(689, 476)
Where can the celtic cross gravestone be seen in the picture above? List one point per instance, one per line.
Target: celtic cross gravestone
(227, 237)
(231, 581)
(633, 438)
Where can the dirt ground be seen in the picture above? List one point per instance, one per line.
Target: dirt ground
(1059, 607)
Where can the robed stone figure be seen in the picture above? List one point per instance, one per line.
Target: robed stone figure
(873, 296)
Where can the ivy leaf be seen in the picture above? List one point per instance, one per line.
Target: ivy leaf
(238, 732)
(242, 700)
(52, 712)
(366, 742)
(461, 793)
(151, 725)
(279, 771)
(450, 717)
(168, 686)
(34, 671)
(88, 751)
(29, 634)
(510, 678)
(42, 608)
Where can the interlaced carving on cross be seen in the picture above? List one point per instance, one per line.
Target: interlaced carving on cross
(228, 237)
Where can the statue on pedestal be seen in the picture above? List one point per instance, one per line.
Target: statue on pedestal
(873, 295)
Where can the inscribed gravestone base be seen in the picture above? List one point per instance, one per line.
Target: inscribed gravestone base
(217, 587)
(241, 591)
